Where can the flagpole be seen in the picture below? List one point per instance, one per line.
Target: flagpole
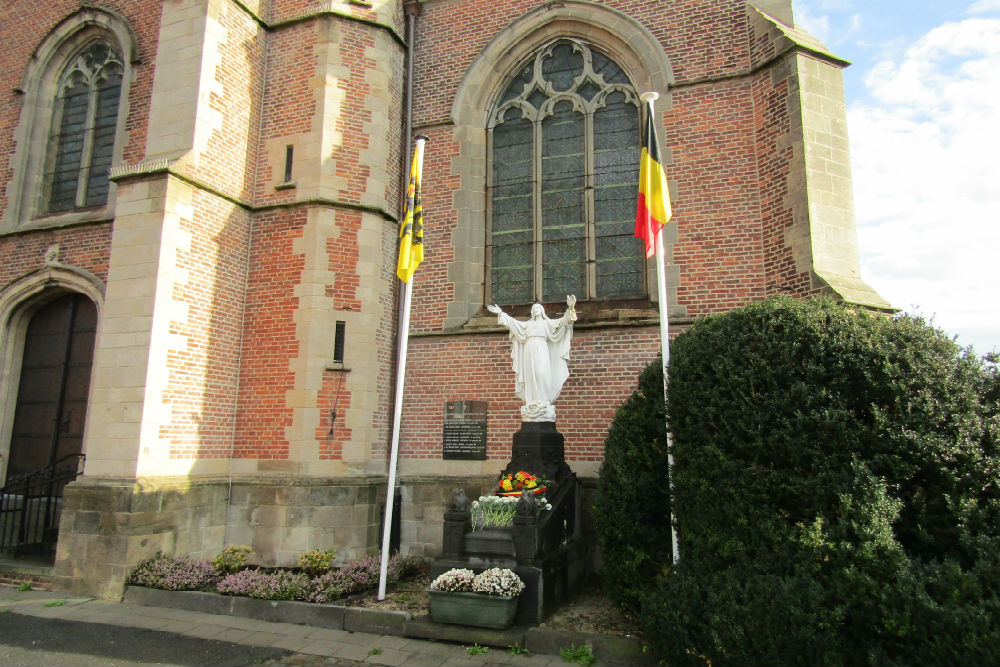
(661, 290)
(404, 337)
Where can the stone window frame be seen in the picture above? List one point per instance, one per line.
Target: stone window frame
(522, 108)
(38, 89)
(629, 43)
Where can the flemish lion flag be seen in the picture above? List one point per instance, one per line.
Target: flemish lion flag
(653, 208)
(411, 229)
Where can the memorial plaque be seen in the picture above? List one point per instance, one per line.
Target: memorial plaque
(464, 430)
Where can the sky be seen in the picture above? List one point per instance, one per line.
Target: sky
(923, 118)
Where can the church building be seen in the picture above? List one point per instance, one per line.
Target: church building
(199, 214)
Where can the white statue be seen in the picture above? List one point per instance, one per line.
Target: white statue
(540, 350)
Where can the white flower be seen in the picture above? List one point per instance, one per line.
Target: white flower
(498, 581)
(455, 579)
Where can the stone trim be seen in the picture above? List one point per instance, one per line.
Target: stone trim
(322, 10)
(152, 168)
(822, 236)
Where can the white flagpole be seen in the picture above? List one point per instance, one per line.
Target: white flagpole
(661, 290)
(404, 336)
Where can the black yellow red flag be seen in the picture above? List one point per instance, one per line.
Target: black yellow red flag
(653, 208)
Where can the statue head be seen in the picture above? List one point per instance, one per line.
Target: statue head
(537, 311)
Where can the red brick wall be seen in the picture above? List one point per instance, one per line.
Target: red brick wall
(229, 162)
(702, 38)
(87, 247)
(771, 89)
(269, 335)
(432, 288)
(708, 129)
(289, 101)
(603, 368)
(203, 376)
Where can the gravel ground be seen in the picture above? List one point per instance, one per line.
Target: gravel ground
(589, 611)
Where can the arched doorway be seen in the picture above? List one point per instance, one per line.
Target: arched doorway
(54, 384)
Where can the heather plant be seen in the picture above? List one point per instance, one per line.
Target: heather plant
(317, 562)
(179, 573)
(401, 567)
(359, 575)
(233, 558)
(264, 585)
(174, 573)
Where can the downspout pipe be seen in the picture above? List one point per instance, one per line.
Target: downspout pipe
(412, 10)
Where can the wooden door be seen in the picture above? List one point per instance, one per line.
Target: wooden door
(55, 382)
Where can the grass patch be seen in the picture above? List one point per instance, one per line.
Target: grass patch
(581, 655)
(476, 649)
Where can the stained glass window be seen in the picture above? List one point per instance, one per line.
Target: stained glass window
(564, 156)
(83, 130)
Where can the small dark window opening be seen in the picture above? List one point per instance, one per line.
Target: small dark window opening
(288, 163)
(338, 341)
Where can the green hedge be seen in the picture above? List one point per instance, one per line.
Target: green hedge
(837, 493)
(632, 508)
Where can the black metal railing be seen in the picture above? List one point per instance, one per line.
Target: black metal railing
(30, 504)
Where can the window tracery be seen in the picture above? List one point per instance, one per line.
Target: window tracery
(82, 139)
(564, 138)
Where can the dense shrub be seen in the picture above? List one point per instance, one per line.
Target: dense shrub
(836, 493)
(632, 509)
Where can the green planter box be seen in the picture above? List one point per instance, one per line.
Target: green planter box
(477, 609)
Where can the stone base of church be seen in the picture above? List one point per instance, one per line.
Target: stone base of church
(108, 525)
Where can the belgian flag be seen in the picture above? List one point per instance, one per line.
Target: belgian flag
(411, 229)
(653, 208)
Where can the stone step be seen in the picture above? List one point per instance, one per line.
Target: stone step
(19, 571)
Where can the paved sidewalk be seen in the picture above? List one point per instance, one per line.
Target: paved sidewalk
(307, 646)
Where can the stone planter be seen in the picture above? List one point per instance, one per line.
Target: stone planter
(476, 609)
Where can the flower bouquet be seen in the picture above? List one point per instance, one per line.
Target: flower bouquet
(520, 482)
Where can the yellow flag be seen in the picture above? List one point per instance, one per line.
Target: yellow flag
(411, 229)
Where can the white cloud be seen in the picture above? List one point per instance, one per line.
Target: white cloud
(981, 6)
(817, 25)
(927, 179)
(825, 18)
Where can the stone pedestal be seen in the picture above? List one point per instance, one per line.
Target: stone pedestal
(539, 449)
(545, 548)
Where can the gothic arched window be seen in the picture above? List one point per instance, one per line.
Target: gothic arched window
(82, 138)
(564, 164)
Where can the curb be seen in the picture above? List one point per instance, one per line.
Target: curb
(609, 649)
